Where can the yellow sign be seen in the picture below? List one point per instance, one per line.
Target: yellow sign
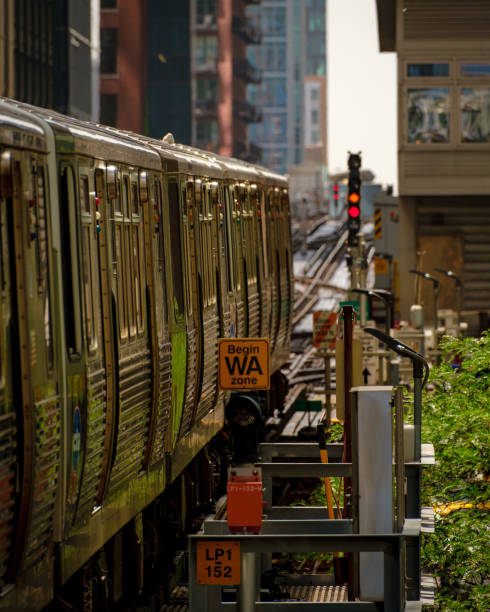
(380, 265)
(244, 363)
(218, 563)
(324, 328)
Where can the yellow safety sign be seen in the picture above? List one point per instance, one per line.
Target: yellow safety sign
(378, 224)
(380, 265)
(244, 363)
(324, 328)
(218, 563)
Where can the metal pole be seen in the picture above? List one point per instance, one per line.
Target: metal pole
(399, 460)
(247, 590)
(417, 408)
(348, 312)
(328, 397)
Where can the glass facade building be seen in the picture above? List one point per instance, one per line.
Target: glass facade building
(292, 103)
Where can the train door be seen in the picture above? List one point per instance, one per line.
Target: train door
(250, 261)
(209, 318)
(155, 258)
(231, 245)
(90, 419)
(223, 265)
(273, 265)
(193, 302)
(261, 257)
(132, 346)
(176, 305)
(29, 389)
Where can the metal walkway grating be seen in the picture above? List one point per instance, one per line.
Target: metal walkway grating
(316, 594)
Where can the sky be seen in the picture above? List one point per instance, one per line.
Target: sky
(362, 113)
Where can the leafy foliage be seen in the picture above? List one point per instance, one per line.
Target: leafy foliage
(456, 419)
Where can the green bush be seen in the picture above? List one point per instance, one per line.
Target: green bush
(456, 419)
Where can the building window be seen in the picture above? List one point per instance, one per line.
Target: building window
(108, 50)
(206, 52)
(427, 70)
(207, 134)
(475, 70)
(314, 116)
(315, 137)
(108, 109)
(428, 115)
(108, 4)
(314, 93)
(206, 90)
(273, 21)
(274, 128)
(273, 57)
(206, 12)
(475, 114)
(273, 92)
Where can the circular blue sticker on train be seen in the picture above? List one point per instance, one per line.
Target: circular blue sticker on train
(77, 438)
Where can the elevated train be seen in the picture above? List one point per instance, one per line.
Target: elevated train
(122, 261)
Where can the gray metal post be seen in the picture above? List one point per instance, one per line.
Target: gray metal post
(248, 588)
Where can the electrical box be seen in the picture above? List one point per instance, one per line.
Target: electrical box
(244, 500)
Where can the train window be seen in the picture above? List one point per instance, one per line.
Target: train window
(84, 194)
(160, 241)
(137, 272)
(229, 239)
(137, 256)
(128, 277)
(201, 219)
(189, 210)
(88, 283)
(212, 245)
(42, 260)
(175, 245)
(120, 285)
(88, 255)
(70, 260)
(125, 196)
(117, 203)
(134, 199)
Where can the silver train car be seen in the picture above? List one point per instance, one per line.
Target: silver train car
(122, 261)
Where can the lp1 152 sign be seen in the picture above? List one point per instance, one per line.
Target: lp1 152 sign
(244, 363)
(218, 563)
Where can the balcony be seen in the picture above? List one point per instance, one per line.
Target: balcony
(243, 69)
(246, 112)
(245, 29)
(248, 151)
(206, 108)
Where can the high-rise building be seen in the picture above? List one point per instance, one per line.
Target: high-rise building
(46, 54)
(198, 74)
(123, 60)
(292, 96)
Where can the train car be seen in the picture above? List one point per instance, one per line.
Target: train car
(123, 260)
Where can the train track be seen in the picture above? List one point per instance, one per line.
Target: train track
(307, 299)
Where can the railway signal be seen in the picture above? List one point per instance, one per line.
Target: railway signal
(354, 198)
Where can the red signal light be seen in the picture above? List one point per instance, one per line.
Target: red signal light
(353, 212)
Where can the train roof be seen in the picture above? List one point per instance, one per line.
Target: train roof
(87, 138)
(18, 130)
(112, 144)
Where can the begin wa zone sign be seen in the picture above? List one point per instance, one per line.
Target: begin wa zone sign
(244, 363)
